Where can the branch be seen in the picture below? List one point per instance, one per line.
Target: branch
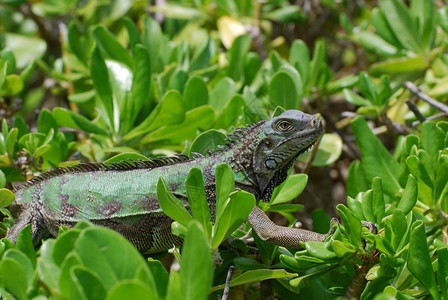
(416, 91)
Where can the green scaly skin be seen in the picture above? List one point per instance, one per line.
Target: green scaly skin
(122, 196)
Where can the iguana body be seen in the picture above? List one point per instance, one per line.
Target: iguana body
(122, 196)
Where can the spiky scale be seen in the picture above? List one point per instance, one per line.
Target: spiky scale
(122, 195)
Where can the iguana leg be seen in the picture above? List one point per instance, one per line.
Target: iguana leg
(38, 231)
(279, 235)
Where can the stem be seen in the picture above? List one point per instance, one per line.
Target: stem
(416, 91)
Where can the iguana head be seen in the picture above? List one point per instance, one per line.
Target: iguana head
(281, 141)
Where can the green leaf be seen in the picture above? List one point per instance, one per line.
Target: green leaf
(130, 289)
(328, 151)
(374, 43)
(319, 250)
(316, 64)
(285, 89)
(100, 78)
(299, 57)
(368, 209)
(378, 200)
(49, 272)
(231, 114)
(196, 273)
(141, 84)
(355, 205)
(82, 97)
(222, 93)
(352, 225)
(401, 23)
(237, 52)
(160, 275)
(20, 46)
(24, 243)
(355, 99)
(198, 202)
(171, 206)
(203, 55)
(399, 65)
(399, 227)
(67, 118)
(356, 181)
(424, 11)
(225, 185)
(111, 46)
(286, 14)
(168, 112)
(133, 33)
(290, 189)
(382, 28)
(46, 122)
(255, 276)
(442, 272)
(103, 251)
(6, 197)
(209, 140)
(12, 85)
(195, 93)
(73, 38)
(234, 213)
(409, 197)
(125, 156)
(178, 80)
(419, 261)
(84, 284)
(198, 118)
(16, 284)
(376, 160)
(441, 188)
(152, 38)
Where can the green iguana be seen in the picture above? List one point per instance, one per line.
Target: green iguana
(122, 196)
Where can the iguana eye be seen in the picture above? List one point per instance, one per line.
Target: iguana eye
(284, 126)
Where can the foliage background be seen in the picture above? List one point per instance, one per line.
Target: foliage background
(89, 80)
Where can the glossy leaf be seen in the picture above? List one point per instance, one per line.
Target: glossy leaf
(292, 187)
(6, 197)
(168, 112)
(111, 46)
(356, 181)
(239, 49)
(196, 274)
(419, 262)
(102, 251)
(401, 22)
(328, 151)
(198, 118)
(131, 289)
(409, 197)
(234, 213)
(376, 160)
(196, 199)
(195, 93)
(209, 140)
(222, 93)
(256, 276)
(225, 185)
(152, 39)
(171, 206)
(285, 89)
(101, 83)
(85, 284)
(351, 224)
(299, 57)
(141, 83)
